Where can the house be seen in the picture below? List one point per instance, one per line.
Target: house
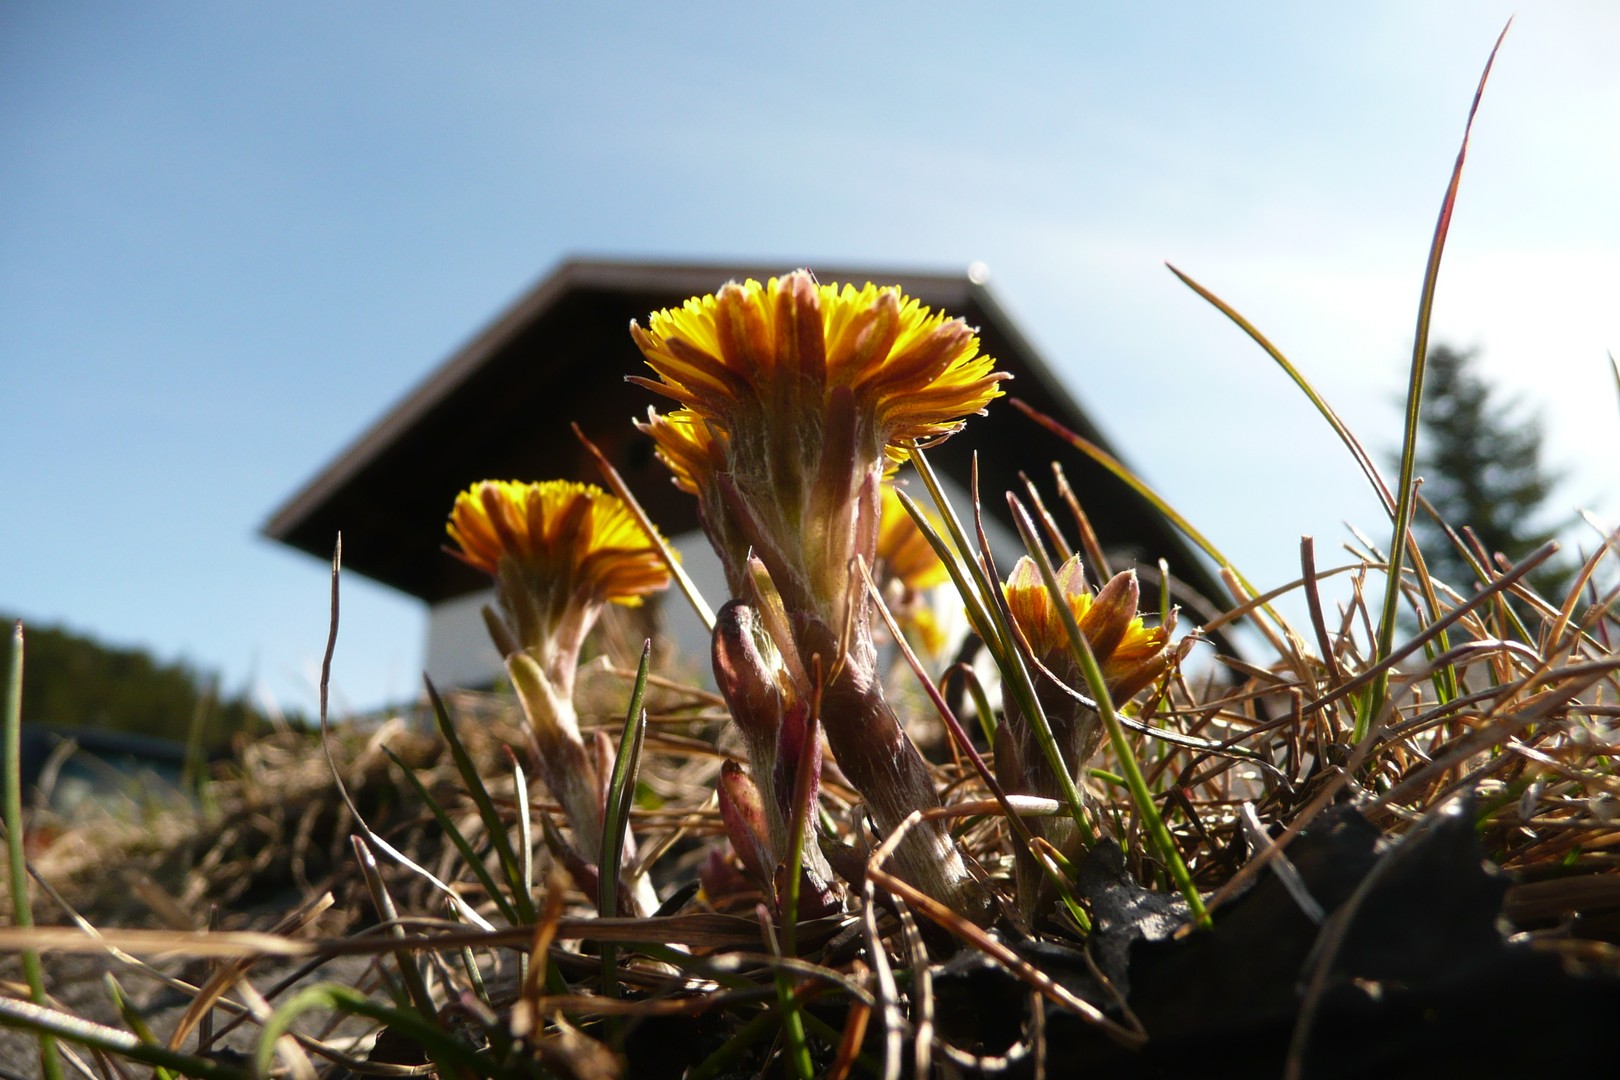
(501, 408)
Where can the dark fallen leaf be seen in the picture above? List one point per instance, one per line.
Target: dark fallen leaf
(1423, 967)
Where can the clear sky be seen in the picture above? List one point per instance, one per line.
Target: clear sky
(232, 235)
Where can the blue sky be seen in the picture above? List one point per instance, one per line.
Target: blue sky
(233, 235)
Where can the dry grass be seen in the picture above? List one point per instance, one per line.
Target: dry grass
(1528, 728)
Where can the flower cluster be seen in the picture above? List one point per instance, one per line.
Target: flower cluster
(795, 403)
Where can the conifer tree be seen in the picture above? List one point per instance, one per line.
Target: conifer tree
(1481, 463)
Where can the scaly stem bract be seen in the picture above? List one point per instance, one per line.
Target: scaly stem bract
(803, 786)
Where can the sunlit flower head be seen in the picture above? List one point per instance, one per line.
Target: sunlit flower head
(577, 535)
(789, 348)
(1131, 655)
(795, 399)
(687, 445)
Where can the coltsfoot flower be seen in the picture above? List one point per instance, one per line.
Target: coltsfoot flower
(558, 551)
(1130, 654)
(576, 536)
(794, 397)
(785, 351)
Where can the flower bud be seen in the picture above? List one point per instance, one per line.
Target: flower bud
(746, 668)
(743, 815)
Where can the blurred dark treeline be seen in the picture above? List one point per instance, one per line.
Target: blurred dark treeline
(74, 681)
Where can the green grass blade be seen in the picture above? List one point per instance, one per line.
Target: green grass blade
(373, 838)
(193, 769)
(1135, 483)
(969, 579)
(415, 986)
(520, 792)
(135, 1022)
(1059, 871)
(1372, 705)
(981, 702)
(22, 913)
(493, 824)
(621, 794)
(459, 839)
(475, 977)
(1340, 428)
(1445, 684)
(452, 1056)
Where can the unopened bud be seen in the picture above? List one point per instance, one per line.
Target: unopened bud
(743, 814)
(1109, 617)
(745, 669)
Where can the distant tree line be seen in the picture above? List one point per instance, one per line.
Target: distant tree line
(70, 680)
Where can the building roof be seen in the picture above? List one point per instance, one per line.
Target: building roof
(500, 408)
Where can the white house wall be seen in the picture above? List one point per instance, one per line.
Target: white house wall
(459, 653)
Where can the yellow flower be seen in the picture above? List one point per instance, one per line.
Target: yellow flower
(795, 398)
(786, 349)
(687, 445)
(575, 535)
(1130, 654)
(558, 551)
(805, 392)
